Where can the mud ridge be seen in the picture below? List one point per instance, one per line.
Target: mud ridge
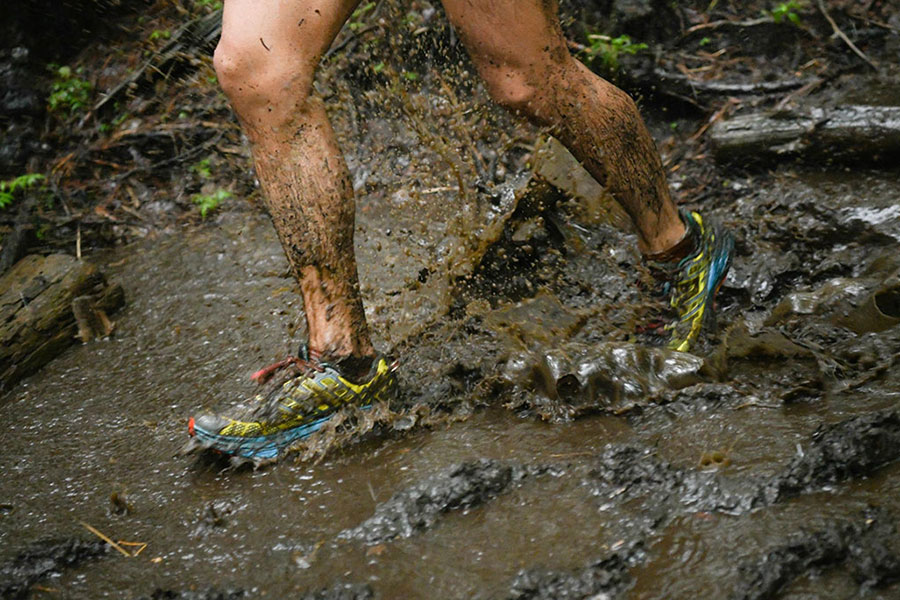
(847, 450)
(418, 507)
(43, 559)
(863, 546)
(604, 578)
(210, 594)
(342, 591)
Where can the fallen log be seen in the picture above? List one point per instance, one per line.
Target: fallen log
(40, 298)
(869, 134)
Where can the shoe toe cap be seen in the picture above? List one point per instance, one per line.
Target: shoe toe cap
(207, 423)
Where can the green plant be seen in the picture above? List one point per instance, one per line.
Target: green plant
(705, 41)
(207, 203)
(788, 10)
(356, 22)
(69, 91)
(160, 34)
(607, 49)
(202, 169)
(22, 183)
(208, 4)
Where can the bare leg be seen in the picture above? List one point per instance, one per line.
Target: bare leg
(265, 62)
(519, 50)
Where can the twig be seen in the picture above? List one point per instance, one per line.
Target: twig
(843, 36)
(343, 43)
(106, 539)
(720, 87)
(727, 23)
(732, 102)
(801, 92)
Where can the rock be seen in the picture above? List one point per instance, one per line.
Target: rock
(37, 321)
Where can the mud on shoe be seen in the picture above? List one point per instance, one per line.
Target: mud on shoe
(693, 281)
(295, 408)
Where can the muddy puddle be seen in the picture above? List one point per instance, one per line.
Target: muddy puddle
(561, 456)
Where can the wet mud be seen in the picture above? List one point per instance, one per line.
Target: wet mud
(545, 445)
(866, 546)
(342, 591)
(417, 508)
(851, 449)
(209, 594)
(45, 559)
(605, 578)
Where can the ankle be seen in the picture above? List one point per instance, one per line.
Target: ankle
(355, 368)
(675, 250)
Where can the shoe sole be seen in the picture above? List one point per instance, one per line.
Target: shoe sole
(259, 448)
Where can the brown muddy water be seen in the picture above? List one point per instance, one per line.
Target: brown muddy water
(712, 484)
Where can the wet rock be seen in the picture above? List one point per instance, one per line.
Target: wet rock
(36, 317)
(342, 591)
(576, 379)
(19, 96)
(44, 559)
(604, 578)
(418, 507)
(867, 547)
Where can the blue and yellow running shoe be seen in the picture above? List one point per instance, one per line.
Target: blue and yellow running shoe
(694, 281)
(293, 410)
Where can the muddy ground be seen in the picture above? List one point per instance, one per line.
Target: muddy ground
(543, 446)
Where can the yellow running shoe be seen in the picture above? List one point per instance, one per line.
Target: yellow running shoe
(294, 410)
(694, 281)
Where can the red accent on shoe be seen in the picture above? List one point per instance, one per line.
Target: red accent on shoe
(191, 426)
(265, 374)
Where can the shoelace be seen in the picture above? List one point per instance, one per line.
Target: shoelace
(307, 366)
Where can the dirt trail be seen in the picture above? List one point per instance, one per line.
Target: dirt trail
(542, 447)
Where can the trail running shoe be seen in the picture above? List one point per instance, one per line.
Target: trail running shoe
(694, 281)
(293, 410)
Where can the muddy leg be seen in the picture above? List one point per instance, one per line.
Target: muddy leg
(519, 50)
(265, 62)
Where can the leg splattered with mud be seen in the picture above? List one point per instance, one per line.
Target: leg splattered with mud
(519, 50)
(266, 67)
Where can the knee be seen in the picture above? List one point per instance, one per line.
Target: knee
(260, 87)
